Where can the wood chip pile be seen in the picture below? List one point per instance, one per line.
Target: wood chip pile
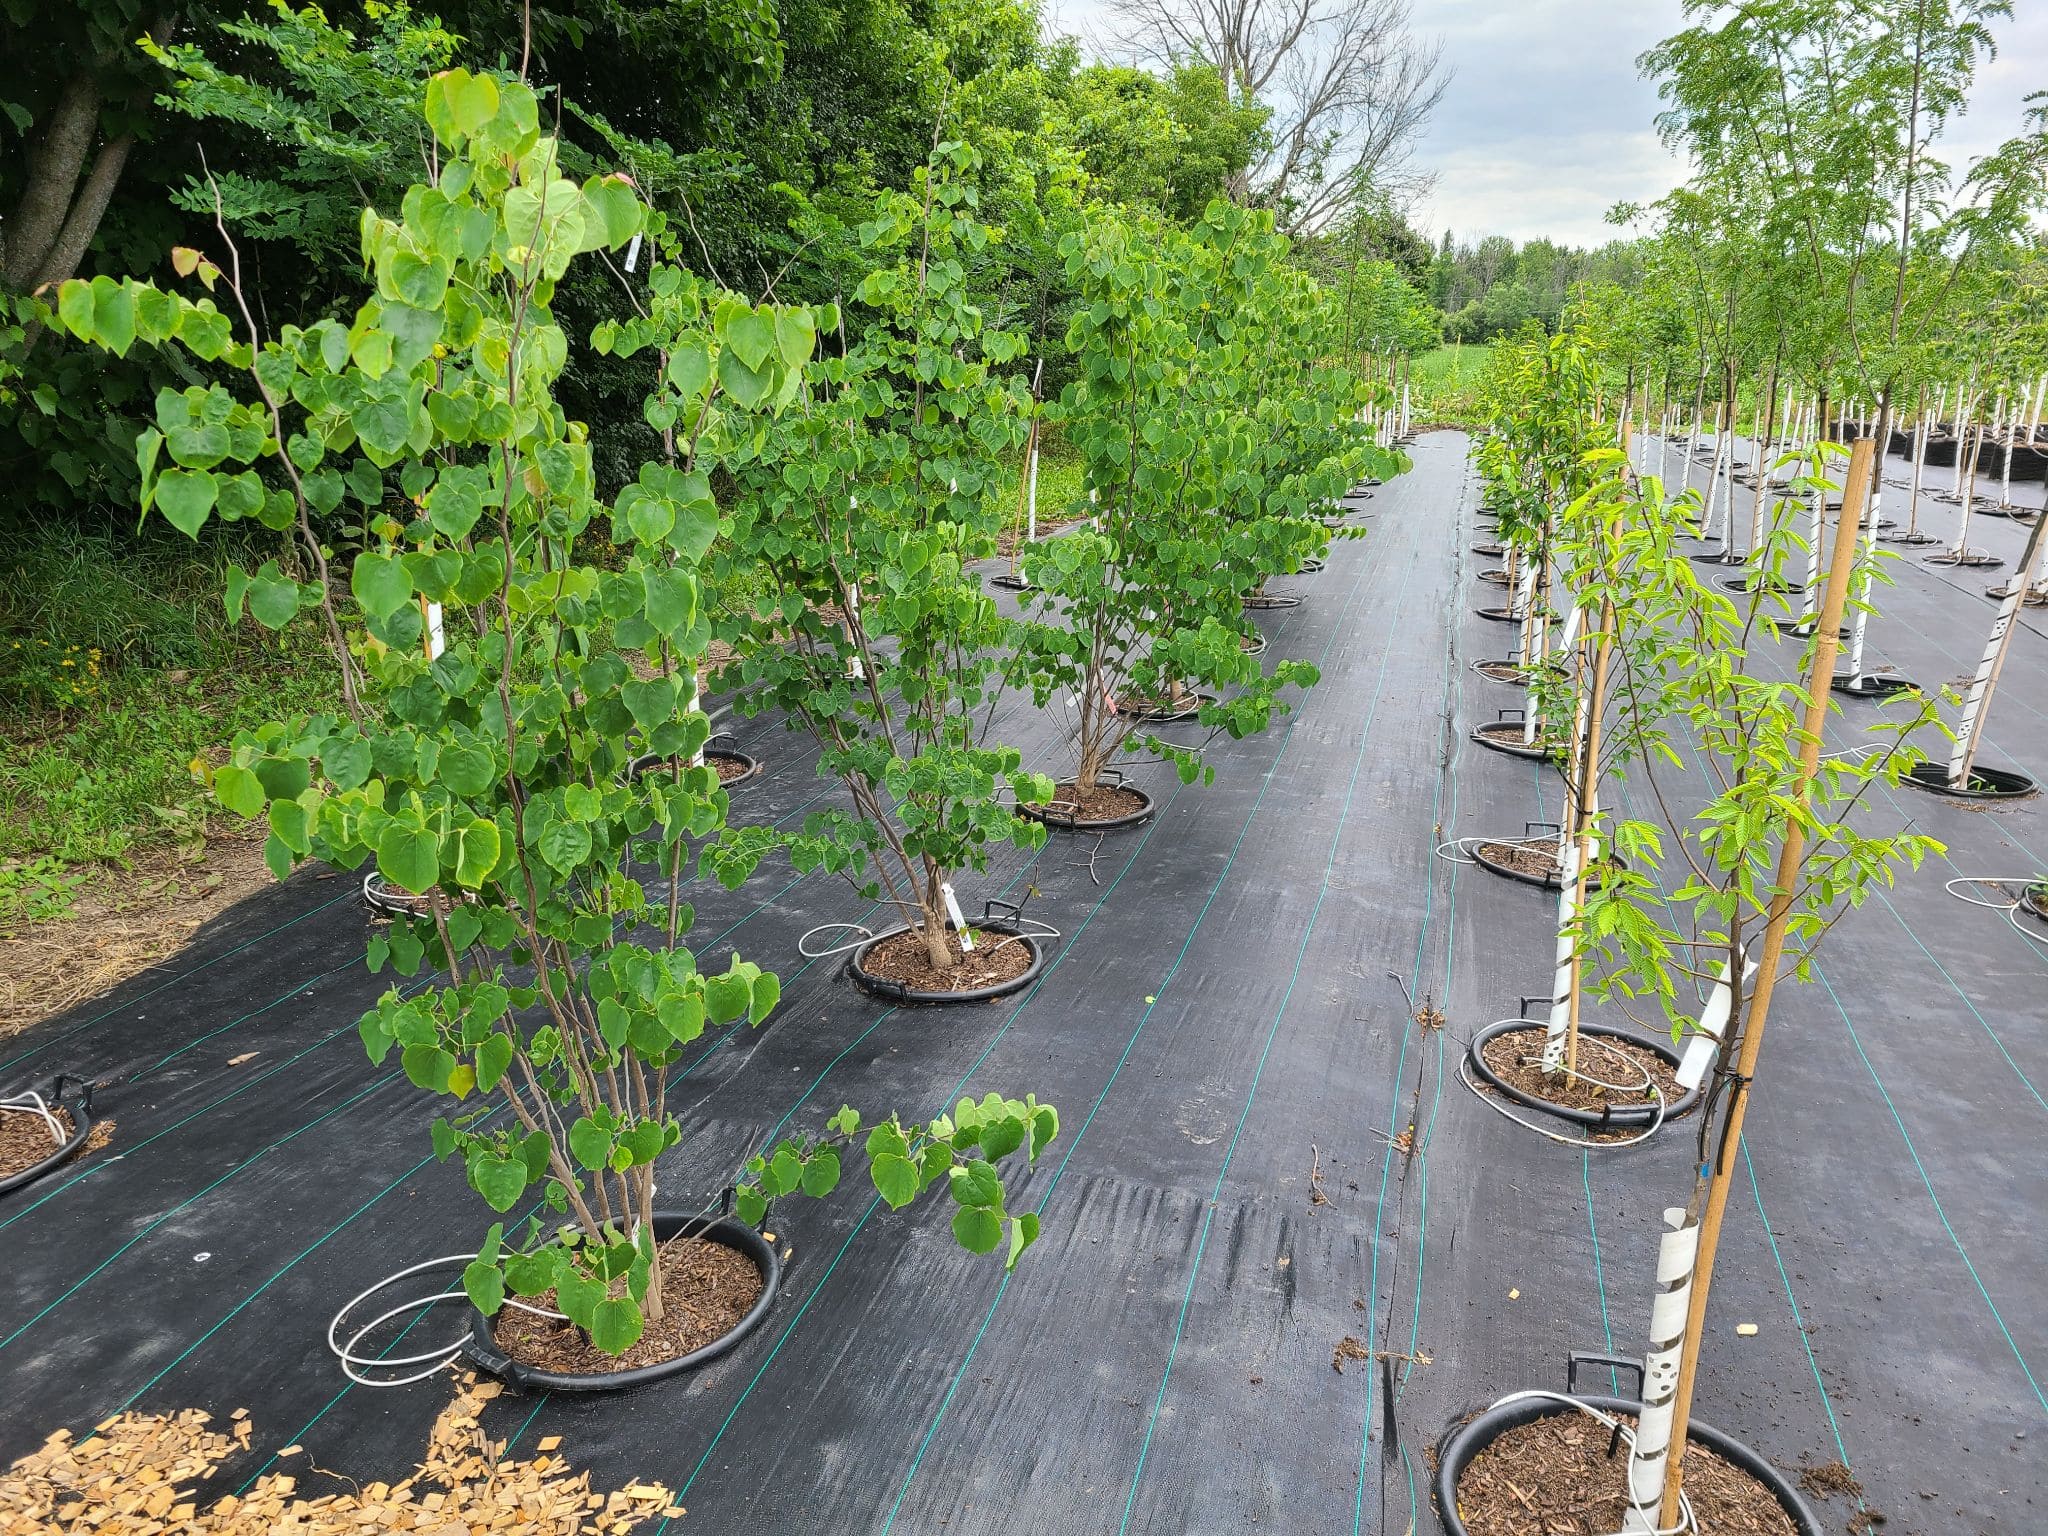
(142, 1474)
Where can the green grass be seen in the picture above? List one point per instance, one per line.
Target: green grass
(117, 668)
(1446, 383)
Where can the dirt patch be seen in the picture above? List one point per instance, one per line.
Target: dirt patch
(141, 1474)
(706, 1289)
(1105, 802)
(1515, 1057)
(25, 1138)
(1554, 1476)
(2036, 901)
(902, 958)
(1347, 1348)
(1830, 1480)
(122, 921)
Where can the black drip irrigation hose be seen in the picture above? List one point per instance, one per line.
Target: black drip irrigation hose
(71, 1094)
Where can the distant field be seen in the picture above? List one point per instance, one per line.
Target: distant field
(1446, 382)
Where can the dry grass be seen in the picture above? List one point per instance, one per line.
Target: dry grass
(122, 922)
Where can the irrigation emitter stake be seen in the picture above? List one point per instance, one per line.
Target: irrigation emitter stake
(1970, 731)
(1718, 1175)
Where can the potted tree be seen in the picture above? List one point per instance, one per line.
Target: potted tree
(497, 681)
(1135, 618)
(863, 510)
(1769, 864)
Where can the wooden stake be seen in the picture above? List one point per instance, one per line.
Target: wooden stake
(1791, 856)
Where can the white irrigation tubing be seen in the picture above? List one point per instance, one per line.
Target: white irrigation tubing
(1686, 1519)
(837, 949)
(1031, 926)
(1462, 845)
(32, 1104)
(435, 1360)
(1493, 1102)
(2011, 908)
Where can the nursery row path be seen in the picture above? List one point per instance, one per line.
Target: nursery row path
(1264, 1154)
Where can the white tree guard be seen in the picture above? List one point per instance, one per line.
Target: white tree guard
(1676, 1253)
(1969, 731)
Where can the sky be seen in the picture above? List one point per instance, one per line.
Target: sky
(1546, 124)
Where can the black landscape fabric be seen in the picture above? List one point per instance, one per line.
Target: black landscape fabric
(1262, 1152)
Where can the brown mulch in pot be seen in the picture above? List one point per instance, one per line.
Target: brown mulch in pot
(1539, 861)
(706, 1289)
(902, 958)
(1553, 1477)
(728, 766)
(25, 1139)
(1105, 802)
(1505, 1054)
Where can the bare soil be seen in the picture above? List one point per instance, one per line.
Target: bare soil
(1505, 1054)
(706, 1289)
(25, 1139)
(1554, 1476)
(1105, 802)
(123, 922)
(2036, 901)
(902, 958)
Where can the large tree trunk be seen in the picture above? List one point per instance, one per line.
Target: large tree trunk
(87, 209)
(59, 156)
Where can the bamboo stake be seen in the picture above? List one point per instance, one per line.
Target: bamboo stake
(1791, 855)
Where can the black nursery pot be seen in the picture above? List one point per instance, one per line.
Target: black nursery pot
(750, 766)
(1163, 714)
(1985, 783)
(1066, 821)
(1872, 685)
(1538, 750)
(483, 1349)
(1464, 1440)
(1554, 881)
(1613, 1118)
(896, 992)
(74, 1096)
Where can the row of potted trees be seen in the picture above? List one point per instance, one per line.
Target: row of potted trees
(518, 748)
(1681, 923)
